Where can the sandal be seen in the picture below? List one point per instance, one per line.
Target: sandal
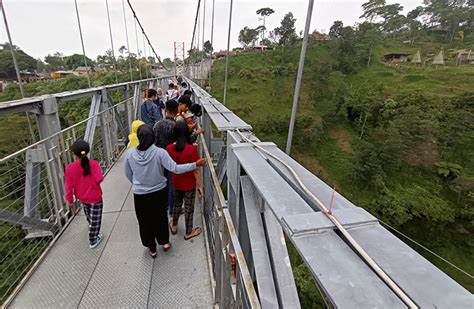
(166, 247)
(174, 229)
(152, 254)
(195, 232)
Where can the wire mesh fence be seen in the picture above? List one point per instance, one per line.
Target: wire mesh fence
(32, 209)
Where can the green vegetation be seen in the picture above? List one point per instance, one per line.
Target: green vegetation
(396, 139)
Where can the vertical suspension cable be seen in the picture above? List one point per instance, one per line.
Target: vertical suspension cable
(197, 42)
(191, 46)
(299, 76)
(126, 36)
(111, 41)
(15, 63)
(82, 43)
(138, 48)
(145, 55)
(201, 76)
(227, 54)
(212, 42)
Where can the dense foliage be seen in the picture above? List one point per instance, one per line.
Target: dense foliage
(397, 140)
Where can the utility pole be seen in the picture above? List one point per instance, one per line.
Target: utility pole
(15, 63)
(299, 75)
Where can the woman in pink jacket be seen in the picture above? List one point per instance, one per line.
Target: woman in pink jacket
(83, 178)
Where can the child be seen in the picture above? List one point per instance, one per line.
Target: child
(83, 178)
(132, 137)
(184, 184)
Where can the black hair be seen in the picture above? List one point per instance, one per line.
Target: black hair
(181, 133)
(196, 110)
(172, 106)
(185, 100)
(81, 148)
(187, 92)
(183, 84)
(171, 85)
(151, 93)
(146, 138)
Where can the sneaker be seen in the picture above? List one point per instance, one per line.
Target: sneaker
(97, 242)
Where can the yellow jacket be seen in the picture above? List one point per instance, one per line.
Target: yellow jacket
(132, 137)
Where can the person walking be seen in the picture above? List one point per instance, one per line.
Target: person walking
(185, 184)
(132, 137)
(164, 135)
(149, 111)
(144, 167)
(82, 180)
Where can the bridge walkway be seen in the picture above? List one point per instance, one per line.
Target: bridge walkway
(119, 273)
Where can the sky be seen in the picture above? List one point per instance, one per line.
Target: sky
(42, 27)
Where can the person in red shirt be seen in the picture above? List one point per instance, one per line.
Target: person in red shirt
(83, 178)
(184, 184)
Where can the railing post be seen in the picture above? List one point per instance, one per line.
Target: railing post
(105, 120)
(128, 107)
(136, 101)
(48, 125)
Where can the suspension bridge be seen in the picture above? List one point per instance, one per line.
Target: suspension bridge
(257, 201)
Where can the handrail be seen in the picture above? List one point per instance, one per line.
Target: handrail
(60, 132)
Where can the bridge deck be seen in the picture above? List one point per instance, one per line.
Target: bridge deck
(119, 273)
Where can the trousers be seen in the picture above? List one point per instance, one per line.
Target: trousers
(152, 218)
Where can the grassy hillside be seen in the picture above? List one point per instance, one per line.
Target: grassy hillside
(380, 135)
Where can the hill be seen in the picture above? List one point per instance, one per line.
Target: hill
(397, 140)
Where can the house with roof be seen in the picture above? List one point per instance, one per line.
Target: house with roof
(83, 71)
(396, 57)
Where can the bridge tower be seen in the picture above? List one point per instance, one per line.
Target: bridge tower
(179, 58)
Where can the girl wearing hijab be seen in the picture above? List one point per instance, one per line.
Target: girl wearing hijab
(132, 137)
(144, 169)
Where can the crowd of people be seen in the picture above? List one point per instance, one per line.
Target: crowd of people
(162, 163)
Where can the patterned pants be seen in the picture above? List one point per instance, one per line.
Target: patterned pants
(188, 197)
(93, 214)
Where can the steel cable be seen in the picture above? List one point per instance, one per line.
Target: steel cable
(379, 271)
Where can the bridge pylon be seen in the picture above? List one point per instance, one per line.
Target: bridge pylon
(179, 58)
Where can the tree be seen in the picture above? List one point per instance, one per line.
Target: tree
(7, 68)
(122, 49)
(450, 15)
(336, 29)
(55, 61)
(247, 36)
(77, 60)
(208, 49)
(286, 31)
(168, 62)
(264, 12)
(372, 9)
(107, 60)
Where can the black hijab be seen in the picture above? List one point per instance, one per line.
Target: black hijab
(146, 137)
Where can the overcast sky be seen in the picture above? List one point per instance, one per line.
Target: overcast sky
(42, 27)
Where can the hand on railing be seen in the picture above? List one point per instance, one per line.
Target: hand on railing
(201, 192)
(201, 162)
(200, 130)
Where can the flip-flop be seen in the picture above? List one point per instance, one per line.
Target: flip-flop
(174, 230)
(166, 248)
(153, 255)
(195, 232)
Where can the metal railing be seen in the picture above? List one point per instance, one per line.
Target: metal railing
(33, 212)
(234, 285)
